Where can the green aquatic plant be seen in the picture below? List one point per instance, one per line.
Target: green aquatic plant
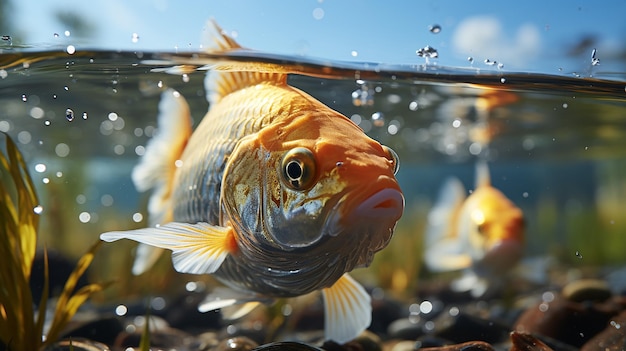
(20, 327)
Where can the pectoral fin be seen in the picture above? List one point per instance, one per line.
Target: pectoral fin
(348, 310)
(197, 248)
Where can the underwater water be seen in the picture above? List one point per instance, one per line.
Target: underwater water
(555, 145)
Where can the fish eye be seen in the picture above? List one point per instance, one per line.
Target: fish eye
(299, 168)
(393, 156)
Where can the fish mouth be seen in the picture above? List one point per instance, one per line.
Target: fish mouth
(367, 222)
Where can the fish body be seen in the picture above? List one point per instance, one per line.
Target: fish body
(482, 234)
(274, 193)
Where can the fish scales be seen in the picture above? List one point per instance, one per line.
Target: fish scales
(196, 194)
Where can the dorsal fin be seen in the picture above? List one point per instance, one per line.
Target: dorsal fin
(482, 174)
(225, 78)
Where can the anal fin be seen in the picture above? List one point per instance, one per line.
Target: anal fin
(348, 310)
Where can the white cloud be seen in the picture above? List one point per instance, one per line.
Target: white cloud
(483, 38)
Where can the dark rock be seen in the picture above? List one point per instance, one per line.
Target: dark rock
(78, 344)
(463, 327)
(613, 337)
(573, 323)
(253, 331)
(587, 290)
(104, 330)
(406, 329)
(239, 343)
(466, 346)
(287, 346)
(527, 342)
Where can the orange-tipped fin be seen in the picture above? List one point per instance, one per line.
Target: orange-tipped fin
(197, 248)
(347, 310)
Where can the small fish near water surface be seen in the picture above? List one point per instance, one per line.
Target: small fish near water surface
(481, 234)
(273, 193)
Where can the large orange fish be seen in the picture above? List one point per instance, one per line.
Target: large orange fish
(274, 193)
(482, 234)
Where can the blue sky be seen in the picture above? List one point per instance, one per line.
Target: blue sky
(523, 35)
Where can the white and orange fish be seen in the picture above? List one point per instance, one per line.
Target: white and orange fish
(482, 234)
(273, 193)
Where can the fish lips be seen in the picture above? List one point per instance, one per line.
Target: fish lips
(369, 219)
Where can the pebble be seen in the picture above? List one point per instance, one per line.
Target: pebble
(587, 290)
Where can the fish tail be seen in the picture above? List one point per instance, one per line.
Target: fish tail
(155, 171)
(223, 79)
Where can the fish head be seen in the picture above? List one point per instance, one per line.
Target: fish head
(315, 180)
(496, 234)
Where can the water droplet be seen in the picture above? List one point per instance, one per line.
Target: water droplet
(579, 255)
(71, 49)
(84, 115)
(488, 62)
(378, 119)
(38, 209)
(427, 52)
(24, 98)
(594, 60)
(135, 38)
(69, 115)
(434, 28)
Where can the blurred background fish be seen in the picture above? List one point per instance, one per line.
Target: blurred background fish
(274, 193)
(481, 234)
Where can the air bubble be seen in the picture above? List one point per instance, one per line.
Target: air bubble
(84, 217)
(40, 168)
(435, 28)
(71, 49)
(3, 74)
(185, 78)
(470, 59)
(24, 98)
(135, 38)
(85, 115)
(378, 119)
(502, 80)
(427, 52)
(67, 33)
(579, 255)
(69, 115)
(38, 209)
